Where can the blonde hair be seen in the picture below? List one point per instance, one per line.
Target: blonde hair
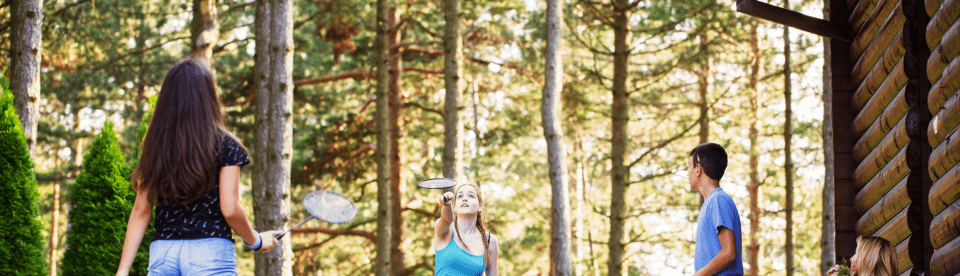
(483, 232)
(875, 257)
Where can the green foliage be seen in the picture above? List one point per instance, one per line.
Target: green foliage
(102, 202)
(21, 244)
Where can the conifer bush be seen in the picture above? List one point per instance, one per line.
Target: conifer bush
(21, 241)
(102, 201)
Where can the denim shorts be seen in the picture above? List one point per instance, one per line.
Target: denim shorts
(210, 256)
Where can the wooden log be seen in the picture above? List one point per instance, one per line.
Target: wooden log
(903, 255)
(895, 230)
(874, 137)
(946, 155)
(943, 52)
(948, 84)
(889, 177)
(862, 12)
(862, 176)
(864, 205)
(889, 206)
(907, 272)
(945, 191)
(882, 26)
(945, 226)
(944, 260)
(941, 20)
(945, 121)
(889, 147)
(890, 58)
(932, 6)
(874, 80)
(891, 93)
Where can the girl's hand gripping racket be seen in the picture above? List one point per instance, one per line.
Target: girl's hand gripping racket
(327, 206)
(438, 183)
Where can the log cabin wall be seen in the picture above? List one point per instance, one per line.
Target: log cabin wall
(881, 118)
(943, 133)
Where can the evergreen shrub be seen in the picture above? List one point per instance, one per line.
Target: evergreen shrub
(102, 201)
(21, 241)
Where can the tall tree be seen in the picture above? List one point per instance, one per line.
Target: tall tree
(26, 18)
(787, 148)
(703, 86)
(396, 185)
(273, 148)
(382, 266)
(453, 85)
(753, 249)
(618, 140)
(204, 29)
(828, 227)
(560, 262)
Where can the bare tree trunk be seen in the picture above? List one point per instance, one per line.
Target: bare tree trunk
(55, 222)
(581, 176)
(553, 132)
(395, 73)
(754, 188)
(453, 80)
(26, 17)
(703, 81)
(204, 29)
(618, 141)
(274, 109)
(382, 264)
(828, 243)
(787, 148)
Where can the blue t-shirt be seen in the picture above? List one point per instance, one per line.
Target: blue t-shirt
(717, 210)
(454, 261)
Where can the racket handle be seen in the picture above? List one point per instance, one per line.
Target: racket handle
(281, 235)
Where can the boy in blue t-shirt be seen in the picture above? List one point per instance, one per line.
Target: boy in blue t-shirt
(718, 227)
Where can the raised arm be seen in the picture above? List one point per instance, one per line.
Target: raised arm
(136, 226)
(442, 226)
(234, 213)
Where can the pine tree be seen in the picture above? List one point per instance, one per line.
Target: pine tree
(21, 244)
(102, 201)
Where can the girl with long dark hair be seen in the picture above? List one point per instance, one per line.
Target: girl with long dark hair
(189, 169)
(462, 244)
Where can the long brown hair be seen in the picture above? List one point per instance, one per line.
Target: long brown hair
(483, 232)
(876, 257)
(178, 159)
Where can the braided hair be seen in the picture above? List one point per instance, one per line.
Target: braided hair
(483, 232)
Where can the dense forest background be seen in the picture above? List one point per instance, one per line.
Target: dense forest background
(695, 71)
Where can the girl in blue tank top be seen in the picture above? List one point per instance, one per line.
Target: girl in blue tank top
(462, 245)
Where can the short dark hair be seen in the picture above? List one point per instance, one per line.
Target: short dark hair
(712, 158)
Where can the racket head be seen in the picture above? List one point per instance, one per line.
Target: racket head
(437, 183)
(330, 206)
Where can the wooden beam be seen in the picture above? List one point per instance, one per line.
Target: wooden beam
(793, 19)
(944, 260)
(945, 155)
(944, 87)
(888, 207)
(940, 21)
(945, 191)
(945, 226)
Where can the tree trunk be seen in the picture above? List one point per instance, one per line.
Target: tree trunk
(578, 236)
(274, 133)
(396, 250)
(26, 17)
(553, 132)
(828, 257)
(382, 264)
(204, 29)
(703, 82)
(753, 250)
(787, 148)
(452, 78)
(618, 141)
(55, 221)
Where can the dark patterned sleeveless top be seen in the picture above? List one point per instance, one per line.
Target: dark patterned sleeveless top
(202, 217)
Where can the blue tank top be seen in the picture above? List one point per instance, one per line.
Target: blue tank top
(454, 261)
